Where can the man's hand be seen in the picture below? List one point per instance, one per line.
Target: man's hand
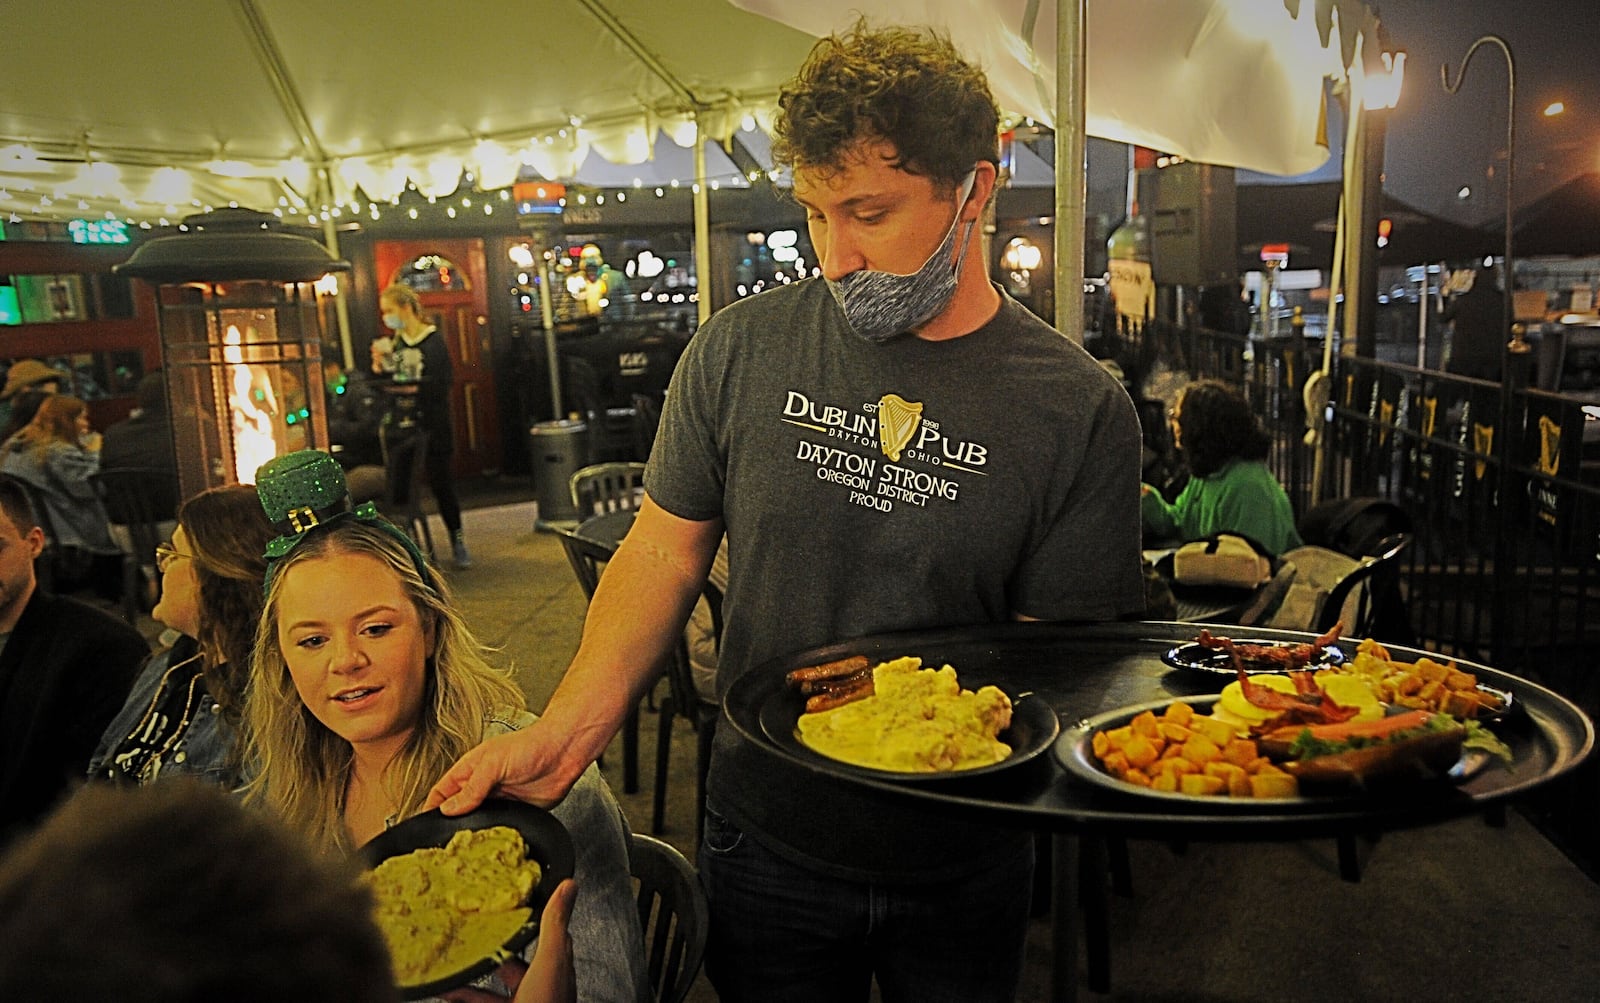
(522, 765)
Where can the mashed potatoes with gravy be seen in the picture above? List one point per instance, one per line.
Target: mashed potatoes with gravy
(917, 721)
(443, 908)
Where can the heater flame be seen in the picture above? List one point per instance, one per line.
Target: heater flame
(253, 442)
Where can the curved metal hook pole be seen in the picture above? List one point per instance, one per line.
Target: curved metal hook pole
(1511, 139)
(1514, 350)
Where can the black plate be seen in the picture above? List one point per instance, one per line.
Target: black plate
(548, 843)
(1033, 727)
(1074, 752)
(1197, 658)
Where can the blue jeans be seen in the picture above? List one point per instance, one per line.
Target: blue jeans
(781, 932)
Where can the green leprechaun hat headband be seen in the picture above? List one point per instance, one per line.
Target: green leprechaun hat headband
(303, 490)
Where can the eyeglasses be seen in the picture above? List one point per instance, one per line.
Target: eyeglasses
(166, 554)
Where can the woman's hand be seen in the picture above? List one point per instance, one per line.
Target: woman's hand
(552, 977)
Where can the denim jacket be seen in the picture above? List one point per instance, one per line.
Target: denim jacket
(168, 726)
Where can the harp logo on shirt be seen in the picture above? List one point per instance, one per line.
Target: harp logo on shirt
(897, 421)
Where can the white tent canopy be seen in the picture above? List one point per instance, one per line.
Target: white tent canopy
(142, 111)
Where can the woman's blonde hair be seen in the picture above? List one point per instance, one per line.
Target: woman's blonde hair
(55, 421)
(299, 768)
(400, 295)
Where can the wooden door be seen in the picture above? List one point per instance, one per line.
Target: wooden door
(455, 299)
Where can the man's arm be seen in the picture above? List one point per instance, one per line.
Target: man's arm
(635, 617)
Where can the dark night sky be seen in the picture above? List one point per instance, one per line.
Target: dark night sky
(1439, 142)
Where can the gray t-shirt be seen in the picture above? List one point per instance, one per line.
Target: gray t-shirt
(868, 488)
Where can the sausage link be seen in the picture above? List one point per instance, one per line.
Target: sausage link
(828, 670)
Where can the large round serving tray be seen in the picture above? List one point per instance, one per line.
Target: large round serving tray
(1085, 670)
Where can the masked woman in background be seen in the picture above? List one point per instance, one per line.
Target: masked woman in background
(367, 684)
(183, 714)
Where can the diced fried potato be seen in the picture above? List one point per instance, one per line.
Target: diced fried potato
(1432, 692)
(1164, 782)
(1115, 763)
(1201, 749)
(1200, 785)
(1431, 671)
(1100, 744)
(1136, 777)
(1175, 732)
(1225, 771)
(1460, 704)
(1276, 784)
(1146, 724)
(1178, 713)
(1267, 767)
(1219, 732)
(1455, 679)
(1175, 767)
(1239, 785)
(1118, 737)
(1174, 750)
(1141, 751)
(1240, 751)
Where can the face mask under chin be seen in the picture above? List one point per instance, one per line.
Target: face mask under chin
(882, 305)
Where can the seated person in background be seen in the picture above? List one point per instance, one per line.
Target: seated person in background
(183, 714)
(367, 685)
(86, 910)
(1230, 489)
(25, 374)
(55, 454)
(65, 668)
(355, 413)
(23, 407)
(143, 440)
(700, 633)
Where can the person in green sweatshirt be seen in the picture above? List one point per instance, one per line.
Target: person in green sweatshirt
(1230, 488)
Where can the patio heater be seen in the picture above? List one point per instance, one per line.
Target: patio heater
(241, 342)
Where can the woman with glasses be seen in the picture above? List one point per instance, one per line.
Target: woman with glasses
(183, 713)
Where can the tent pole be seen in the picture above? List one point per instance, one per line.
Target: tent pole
(341, 302)
(702, 225)
(1071, 178)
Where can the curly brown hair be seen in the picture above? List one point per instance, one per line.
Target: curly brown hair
(1217, 426)
(228, 532)
(177, 892)
(904, 85)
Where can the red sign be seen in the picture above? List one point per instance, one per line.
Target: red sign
(538, 191)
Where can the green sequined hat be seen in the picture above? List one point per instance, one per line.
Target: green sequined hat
(303, 490)
(298, 491)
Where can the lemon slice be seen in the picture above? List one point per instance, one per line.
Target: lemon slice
(1234, 703)
(1352, 691)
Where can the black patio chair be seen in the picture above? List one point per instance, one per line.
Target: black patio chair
(136, 498)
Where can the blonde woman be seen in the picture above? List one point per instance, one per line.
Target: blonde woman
(416, 363)
(367, 685)
(55, 454)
